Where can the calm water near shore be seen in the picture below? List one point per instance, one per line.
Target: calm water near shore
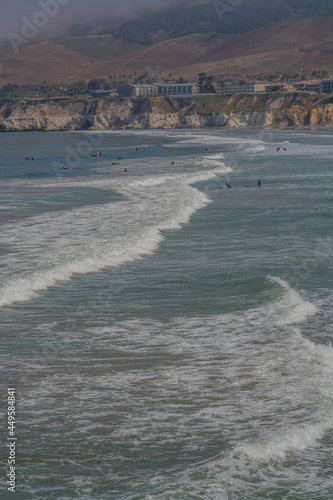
(168, 338)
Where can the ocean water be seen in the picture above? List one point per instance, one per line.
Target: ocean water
(168, 338)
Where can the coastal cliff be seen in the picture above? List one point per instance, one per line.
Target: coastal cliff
(235, 111)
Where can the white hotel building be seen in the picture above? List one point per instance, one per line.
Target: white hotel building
(243, 88)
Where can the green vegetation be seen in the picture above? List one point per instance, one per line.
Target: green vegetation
(232, 102)
(319, 73)
(43, 91)
(206, 84)
(63, 104)
(98, 84)
(216, 103)
(329, 100)
(259, 103)
(10, 91)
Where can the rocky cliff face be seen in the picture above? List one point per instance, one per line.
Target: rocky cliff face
(206, 111)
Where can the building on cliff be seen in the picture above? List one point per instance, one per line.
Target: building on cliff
(178, 89)
(326, 86)
(154, 89)
(138, 90)
(243, 88)
(307, 86)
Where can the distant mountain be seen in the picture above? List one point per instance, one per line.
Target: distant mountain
(298, 45)
(191, 36)
(216, 16)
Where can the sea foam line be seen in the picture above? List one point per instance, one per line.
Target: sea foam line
(295, 439)
(73, 244)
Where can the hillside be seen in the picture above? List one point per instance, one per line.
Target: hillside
(283, 47)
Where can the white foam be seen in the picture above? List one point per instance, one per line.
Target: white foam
(291, 308)
(254, 149)
(217, 156)
(294, 439)
(218, 138)
(51, 248)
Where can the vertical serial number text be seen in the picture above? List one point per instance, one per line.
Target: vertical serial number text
(11, 440)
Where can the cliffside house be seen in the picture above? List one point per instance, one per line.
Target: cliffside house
(307, 86)
(175, 89)
(138, 90)
(155, 89)
(243, 88)
(326, 86)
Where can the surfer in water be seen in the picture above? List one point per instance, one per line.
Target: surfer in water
(259, 183)
(228, 185)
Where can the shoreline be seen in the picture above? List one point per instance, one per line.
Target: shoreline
(305, 128)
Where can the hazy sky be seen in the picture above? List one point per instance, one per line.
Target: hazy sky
(69, 12)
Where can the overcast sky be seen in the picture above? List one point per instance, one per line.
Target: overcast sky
(69, 12)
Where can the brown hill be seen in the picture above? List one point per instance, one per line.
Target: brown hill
(57, 62)
(165, 57)
(284, 47)
(48, 62)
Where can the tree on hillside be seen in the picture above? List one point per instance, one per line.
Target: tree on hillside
(97, 84)
(10, 89)
(319, 73)
(145, 78)
(206, 84)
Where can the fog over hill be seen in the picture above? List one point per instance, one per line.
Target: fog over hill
(68, 12)
(69, 40)
(218, 16)
(142, 21)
